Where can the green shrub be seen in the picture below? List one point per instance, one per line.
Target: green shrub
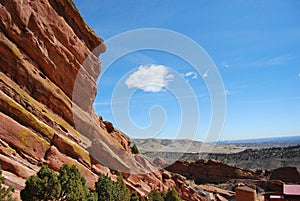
(104, 188)
(5, 193)
(110, 191)
(123, 192)
(172, 195)
(44, 186)
(134, 197)
(134, 149)
(73, 185)
(155, 195)
(69, 185)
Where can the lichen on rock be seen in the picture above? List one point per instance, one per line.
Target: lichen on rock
(43, 46)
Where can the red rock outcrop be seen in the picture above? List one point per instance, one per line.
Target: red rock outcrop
(209, 171)
(286, 174)
(43, 119)
(160, 162)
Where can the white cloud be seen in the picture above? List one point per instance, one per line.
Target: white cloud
(278, 60)
(195, 76)
(188, 74)
(151, 78)
(191, 74)
(205, 74)
(298, 74)
(225, 65)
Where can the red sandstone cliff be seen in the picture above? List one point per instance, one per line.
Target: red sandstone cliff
(43, 44)
(210, 171)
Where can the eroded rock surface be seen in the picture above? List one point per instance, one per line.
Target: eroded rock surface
(46, 101)
(210, 171)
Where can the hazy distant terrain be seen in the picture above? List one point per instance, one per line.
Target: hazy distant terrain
(184, 146)
(254, 154)
(264, 142)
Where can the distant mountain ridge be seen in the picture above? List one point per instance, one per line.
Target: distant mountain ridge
(290, 140)
(225, 146)
(267, 153)
(183, 146)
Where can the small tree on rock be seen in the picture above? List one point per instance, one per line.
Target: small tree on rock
(134, 149)
(109, 190)
(172, 195)
(69, 185)
(155, 195)
(72, 183)
(104, 188)
(44, 186)
(122, 191)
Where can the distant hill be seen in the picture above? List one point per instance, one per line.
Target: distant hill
(265, 142)
(268, 153)
(226, 146)
(183, 146)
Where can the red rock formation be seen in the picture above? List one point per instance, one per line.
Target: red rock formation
(160, 162)
(209, 171)
(286, 174)
(43, 120)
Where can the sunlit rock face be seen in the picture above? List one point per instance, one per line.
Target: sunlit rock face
(46, 101)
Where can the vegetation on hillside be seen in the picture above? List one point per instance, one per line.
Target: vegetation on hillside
(70, 185)
(134, 149)
(5, 193)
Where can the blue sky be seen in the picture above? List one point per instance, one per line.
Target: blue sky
(255, 46)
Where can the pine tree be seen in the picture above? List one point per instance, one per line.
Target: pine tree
(134, 197)
(134, 149)
(172, 195)
(121, 189)
(44, 186)
(72, 183)
(90, 196)
(104, 188)
(155, 195)
(69, 185)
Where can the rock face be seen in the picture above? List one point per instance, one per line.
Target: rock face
(286, 174)
(160, 162)
(210, 171)
(43, 120)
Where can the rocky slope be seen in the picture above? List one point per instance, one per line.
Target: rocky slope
(43, 119)
(183, 146)
(214, 179)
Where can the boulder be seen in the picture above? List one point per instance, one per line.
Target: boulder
(286, 174)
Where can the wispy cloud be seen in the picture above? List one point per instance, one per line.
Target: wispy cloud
(277, 60)
(298, 74)
(205, 74)
(229, 92)
(190, 75)
(225, 65)
(262, 62)
(153, 78)
(234, 90)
